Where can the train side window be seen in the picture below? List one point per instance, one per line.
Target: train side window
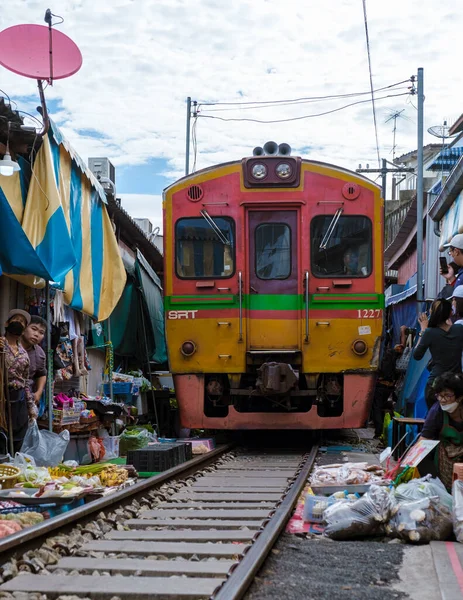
(273, 251)
(202, 252)
(347, 251)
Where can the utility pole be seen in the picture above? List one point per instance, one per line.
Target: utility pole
(419, 194)
(188, 128)
(384, 171)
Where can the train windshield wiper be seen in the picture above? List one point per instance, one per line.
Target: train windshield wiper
(331, 228)
(213, 225)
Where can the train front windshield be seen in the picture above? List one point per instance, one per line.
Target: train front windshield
(347, 252)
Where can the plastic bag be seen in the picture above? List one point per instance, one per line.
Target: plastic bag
(421, 521)
(401, 364)
(135, 439)
(30, 472)
(110, 443)
(347, 474)
(457, 493)
(45, 447)
(425, 487)
(364, 517)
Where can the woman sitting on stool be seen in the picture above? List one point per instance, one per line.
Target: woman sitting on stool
(445, 423)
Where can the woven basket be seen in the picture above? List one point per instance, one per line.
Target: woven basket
(9, 475)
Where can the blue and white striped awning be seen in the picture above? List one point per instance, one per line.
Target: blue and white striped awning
(409, 289)
(56, 227)
(446, 159)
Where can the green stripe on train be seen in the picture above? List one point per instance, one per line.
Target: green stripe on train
(276, 302)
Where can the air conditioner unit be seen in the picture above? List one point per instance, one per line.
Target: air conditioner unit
(103, 169)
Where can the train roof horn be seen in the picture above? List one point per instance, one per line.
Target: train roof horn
(272, 149)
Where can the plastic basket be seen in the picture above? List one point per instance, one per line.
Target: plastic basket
(154, 459)
(119, 387)
(8, 476)
(315, 506)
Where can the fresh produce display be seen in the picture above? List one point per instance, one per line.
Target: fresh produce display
(25, 519)
(134, 439)
(108, 474)
(9, 528)
(114, 476)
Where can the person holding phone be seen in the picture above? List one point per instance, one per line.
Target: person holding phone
(445, 342)
(455, 250)
(449, 273)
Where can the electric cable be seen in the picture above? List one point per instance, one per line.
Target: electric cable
(302, 117)
(371, 79)
(302, 99)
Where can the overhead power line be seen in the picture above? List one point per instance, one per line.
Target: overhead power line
(203, 116)
(303, 99)
(371, 78)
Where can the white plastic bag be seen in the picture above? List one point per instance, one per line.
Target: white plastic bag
(31, 473)
(457, 494)
(45, 447)
(425, 487)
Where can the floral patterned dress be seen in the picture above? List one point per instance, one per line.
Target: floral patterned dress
(20, 395)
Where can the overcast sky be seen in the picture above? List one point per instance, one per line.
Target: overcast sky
(142, 58)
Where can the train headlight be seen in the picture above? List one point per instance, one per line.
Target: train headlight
(284, 170)
(259, 171)
(359, 347)
(188, 348)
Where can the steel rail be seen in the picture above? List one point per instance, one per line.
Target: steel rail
(243, 575)
(35, 535)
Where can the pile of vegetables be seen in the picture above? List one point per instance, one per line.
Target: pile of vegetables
(135, 438)
(11, 523)
(109, 475)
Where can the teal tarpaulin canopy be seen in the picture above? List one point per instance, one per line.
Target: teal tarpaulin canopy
(137, 323)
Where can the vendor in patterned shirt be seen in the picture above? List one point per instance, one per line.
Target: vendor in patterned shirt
(17, 363)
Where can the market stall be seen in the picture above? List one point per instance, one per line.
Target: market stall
(364, 499)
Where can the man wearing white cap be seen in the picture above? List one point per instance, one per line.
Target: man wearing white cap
(21, 399)
(455, 247)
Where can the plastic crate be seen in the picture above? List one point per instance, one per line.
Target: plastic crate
(66, 416)
(153, 459)
(315, 506)
(119, 387)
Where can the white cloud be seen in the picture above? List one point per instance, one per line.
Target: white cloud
(143, 206)
(142, 58)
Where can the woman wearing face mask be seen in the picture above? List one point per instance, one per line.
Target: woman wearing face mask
(444, 422)
(443, 339)
(17, 365)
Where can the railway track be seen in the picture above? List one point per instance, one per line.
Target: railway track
(207, 539)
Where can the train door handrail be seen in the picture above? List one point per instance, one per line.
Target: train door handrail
(240, 297)
(306, 281)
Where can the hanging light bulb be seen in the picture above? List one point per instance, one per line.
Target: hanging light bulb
(7, 165)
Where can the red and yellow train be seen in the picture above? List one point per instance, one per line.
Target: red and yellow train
(273, 293)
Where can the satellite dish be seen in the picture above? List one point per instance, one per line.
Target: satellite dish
(441, 131)
(39, 52)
